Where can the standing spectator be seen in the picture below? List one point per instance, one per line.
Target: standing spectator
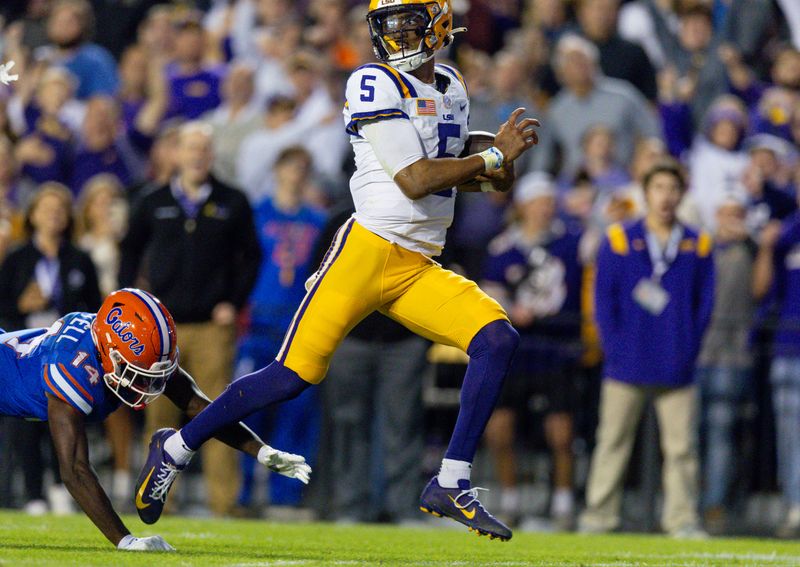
(534, 272)
(194, 86)
(40, 281)
(45, 151)
(653, 299)
(716, 159)
(70, 28)
(619, 58)
(638, 21)
(598, 161)
(693, 59)
(586, 99)
(778, 270)
(233, 120)
(375, 407)
(259, 150)
(101, 149)
(765, 181)
(14, 193)
(725, 361)
(509, 88)
(196, 237)
(288, 230)
(101, 223)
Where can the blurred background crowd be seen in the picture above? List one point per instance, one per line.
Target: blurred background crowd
(197, 149)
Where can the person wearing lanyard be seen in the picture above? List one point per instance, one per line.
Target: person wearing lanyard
(41, 280)
(653, 299)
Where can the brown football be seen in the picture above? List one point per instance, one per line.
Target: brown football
(477, 142)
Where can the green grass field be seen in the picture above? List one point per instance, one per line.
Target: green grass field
(74, 541)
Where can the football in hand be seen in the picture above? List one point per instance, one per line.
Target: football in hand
(477, 142)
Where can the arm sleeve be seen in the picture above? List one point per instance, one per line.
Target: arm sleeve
(60, 383)
(395, 142)
(372, 94)
(606, 295)
(704, 299)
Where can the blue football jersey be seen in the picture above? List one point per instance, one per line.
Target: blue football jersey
(61, 361)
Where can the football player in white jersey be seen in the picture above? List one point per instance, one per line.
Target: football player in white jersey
(407, 117)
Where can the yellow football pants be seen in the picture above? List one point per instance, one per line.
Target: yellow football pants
(363, 272)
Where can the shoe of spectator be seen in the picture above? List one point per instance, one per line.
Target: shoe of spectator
(564, 522)
(591, 524)
(715, 520)
(462, 505)
(790, 528)
(35, 507)
(689, 531)
(60, 500)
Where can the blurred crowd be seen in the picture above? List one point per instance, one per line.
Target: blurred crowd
(197, 149)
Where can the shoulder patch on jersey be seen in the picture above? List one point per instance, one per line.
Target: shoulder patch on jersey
(404, 86)
(65, 389)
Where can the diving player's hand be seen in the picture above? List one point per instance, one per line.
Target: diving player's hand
(287, 464)
(514, 137)
(152, 543)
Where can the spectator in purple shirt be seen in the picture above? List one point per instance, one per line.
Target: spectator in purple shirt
(100, 149)
(194, 87)
(44, 150)
(777, 270)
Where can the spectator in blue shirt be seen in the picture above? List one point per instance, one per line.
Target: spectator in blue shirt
(653, 300)
(777, 271)
(288, 230)
(69, 28)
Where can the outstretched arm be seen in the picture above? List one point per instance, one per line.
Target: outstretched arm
(67, 427)
(184, 393)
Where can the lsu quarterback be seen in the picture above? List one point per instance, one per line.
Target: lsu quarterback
(407, 119)
(83, 368)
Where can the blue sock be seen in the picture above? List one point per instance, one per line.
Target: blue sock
(272, 384)
(490, 352)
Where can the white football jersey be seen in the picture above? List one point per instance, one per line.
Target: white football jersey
(375, 92)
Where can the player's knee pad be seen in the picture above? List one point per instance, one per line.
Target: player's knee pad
(497, 339)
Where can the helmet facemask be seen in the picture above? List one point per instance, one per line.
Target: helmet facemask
(403, 36)
(137, 386)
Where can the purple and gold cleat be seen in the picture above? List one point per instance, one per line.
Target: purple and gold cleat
(156, 478)
(462, 505)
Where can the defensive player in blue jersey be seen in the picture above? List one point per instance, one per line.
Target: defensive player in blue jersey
(83, 368)
(407, 117)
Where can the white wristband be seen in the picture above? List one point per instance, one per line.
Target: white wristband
(492, 158)
(487, 187)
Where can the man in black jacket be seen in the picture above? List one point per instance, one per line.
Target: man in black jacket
(196, 239)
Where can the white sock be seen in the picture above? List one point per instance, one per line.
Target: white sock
(177, 449)
(452, 471)
(563, 502)
(509, 500)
